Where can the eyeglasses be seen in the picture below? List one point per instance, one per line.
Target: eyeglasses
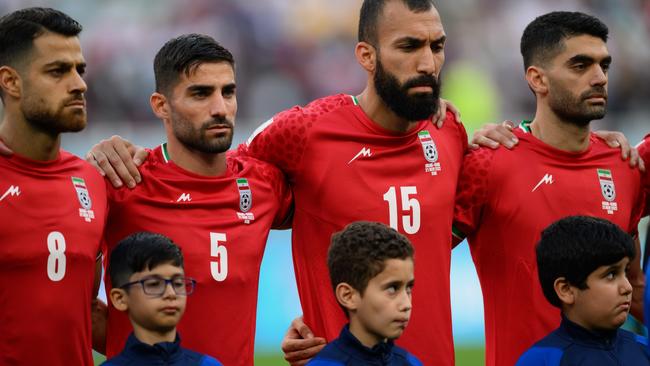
(156, 286)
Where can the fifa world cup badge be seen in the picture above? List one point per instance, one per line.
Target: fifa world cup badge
(84, 199)
(608, 190)
(245, 200)
(430, 153)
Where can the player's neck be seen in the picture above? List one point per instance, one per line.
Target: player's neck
(25, 140)
(151, 337)
(207, 164)
(560, 134)
(378, 112)
(362, 334)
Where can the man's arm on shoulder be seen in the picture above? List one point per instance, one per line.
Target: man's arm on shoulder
(616, 139)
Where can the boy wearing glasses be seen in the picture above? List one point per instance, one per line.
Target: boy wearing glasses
(149, 284)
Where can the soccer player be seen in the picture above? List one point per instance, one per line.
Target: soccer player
(376, 157)
(52, 204)
(218, 209)
(559, 168)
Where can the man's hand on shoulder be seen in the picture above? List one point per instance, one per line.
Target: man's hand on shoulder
(118, 159)
(299, 344)
(493, 135)
(615, 139)
(441, 114)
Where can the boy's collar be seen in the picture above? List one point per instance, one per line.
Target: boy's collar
(601, 339)
(165, 350)
(382, 350)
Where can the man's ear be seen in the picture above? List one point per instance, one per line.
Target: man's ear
(347, 296)
(537, 81)
(119, 299)
(366, 55)
(564, 290)
(10, 81)
(160, 105)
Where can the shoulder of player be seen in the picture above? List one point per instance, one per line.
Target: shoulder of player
(79, 166)
(313, 110)
(244, 165)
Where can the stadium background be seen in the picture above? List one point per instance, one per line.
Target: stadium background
(292, 51)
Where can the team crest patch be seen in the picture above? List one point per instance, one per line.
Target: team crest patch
(608, 190)
(245, 200)
(430, 153)
(84, 199)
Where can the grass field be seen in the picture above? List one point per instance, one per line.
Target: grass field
(465, 356)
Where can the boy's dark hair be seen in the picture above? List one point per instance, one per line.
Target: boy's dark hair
(372, 9)
(359, 252)
(19, 29)
(139, 252)
(183, 55)
(544, 37)
(574, 247)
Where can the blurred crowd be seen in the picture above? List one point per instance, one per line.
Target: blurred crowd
(292, 51)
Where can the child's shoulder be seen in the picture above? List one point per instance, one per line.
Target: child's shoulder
(406, 357)
(548, 351)
(199, 359)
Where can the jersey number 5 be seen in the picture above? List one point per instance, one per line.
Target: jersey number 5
(56, 259)
(218, 251)
(410, 222)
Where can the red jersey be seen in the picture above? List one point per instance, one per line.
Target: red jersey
(505, 199)
(644, 151)
(52, 216)
(221, 224)
(344, 167)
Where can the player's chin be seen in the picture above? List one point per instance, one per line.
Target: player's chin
(74, 124)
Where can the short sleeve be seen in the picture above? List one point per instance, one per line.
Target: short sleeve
(472, 191)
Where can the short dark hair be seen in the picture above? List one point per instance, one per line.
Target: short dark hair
(359, 252)
(184, 54)
(372, 9)
(574, 247)
(139, 252)
(543, 38)
(19, 29)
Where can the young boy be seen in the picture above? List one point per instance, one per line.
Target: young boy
(371, 269)
(146, 271)
(582, 264)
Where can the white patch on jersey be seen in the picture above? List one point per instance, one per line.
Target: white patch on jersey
(259, 130)
(184, 197)
(364, 152)
(13, 191)
(546, 179)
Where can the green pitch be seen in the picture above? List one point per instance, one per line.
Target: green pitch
(465, 356)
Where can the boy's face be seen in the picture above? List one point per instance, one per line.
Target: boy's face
(605, 303)
(151, 312)
(384, 309)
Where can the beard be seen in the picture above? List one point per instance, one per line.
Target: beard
(574, 109)
(53, 120)
(411, 107)
(197, 138)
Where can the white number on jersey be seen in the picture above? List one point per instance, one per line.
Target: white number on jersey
(218, 267)
(56, 259)
(410, 222)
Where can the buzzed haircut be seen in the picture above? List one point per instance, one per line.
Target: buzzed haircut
(544, 37)
(576, 246)
(371, 11)
(19, 29)
(359, 252)
(140, 252)
(183, 55)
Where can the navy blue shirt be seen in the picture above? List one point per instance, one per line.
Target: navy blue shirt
(571, 344)
(347, 350)
(163, 353)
